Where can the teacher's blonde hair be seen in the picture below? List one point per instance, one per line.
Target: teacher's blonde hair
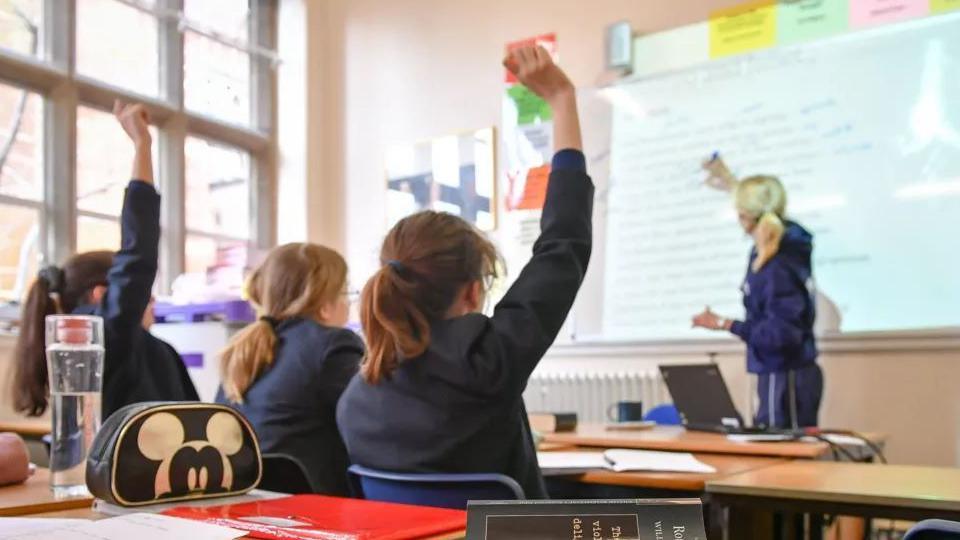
(763, 199)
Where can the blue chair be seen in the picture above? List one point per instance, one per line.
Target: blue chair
(934, 529)
(664, 415)
(440, 490)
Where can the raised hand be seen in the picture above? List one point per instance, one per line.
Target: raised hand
(134, 119)
(533, 66)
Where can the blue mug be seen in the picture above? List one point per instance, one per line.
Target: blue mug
(627, 411)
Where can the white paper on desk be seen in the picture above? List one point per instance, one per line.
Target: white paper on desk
(648, 460)
(15, 527)
(760, 437)
(573, 461)
(137, 526)
(842, 440)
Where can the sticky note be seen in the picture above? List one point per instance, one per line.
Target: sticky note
(874, 12)
(535, 189)
(942, 6)
(743, 28)
(802, 20)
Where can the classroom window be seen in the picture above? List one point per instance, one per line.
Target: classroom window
(118, 44)
(196, 62)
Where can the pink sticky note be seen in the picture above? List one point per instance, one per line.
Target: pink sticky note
(873, 12)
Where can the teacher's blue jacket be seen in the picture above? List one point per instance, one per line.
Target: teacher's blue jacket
(779, 300)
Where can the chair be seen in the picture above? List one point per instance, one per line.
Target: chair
(440, 490)
(285, 474)
(664, 415)
(934, 529)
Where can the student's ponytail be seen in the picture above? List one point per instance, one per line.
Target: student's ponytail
(426, 260)
(767, 236)
(30, 382)
(295, 280)
(394, 326)
(764, 199)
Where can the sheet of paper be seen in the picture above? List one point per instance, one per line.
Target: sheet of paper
(15, 527)
(571, 460)
(139, 526)
(646, 460)
(760, 437)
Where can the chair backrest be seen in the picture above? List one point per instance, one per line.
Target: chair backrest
(665, 415)
(934, 529)
(285, 474)
(440, 490)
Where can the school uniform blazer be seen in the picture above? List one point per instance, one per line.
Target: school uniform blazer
(137, 365)
(458, 408)
(292, 404)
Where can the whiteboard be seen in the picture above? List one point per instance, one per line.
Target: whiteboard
(864, 130)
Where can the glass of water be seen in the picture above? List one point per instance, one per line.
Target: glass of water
(75, 367)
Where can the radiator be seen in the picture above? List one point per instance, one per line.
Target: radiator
(590, 394)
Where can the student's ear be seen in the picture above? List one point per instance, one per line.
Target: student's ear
(97, 293)
(473, 296)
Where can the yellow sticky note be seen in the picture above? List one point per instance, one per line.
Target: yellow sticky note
(743, 28)
(940, 6)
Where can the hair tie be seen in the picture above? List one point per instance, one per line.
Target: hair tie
(53, 276)
(272, 321)
(396, 265)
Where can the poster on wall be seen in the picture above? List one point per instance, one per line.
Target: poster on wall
(454, 174)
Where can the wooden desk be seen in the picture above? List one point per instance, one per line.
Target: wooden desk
(678, 439)
(34, 496)
(88, 513)
(860, 489)
(726, 465)
(27, 428)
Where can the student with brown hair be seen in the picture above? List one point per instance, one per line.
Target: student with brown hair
(441, 384)
(286, 371)
(116, 286)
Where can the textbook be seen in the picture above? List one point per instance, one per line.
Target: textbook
(621, 519)
(548, 422)
(318, 517)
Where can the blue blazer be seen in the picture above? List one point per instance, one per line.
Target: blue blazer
(137, 366)
(458, 407)
(292, 404)
(780, 306)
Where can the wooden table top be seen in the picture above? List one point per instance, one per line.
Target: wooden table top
(34, 496)
(903, 486)
(678, 439)
(726, 465)
(31, 428)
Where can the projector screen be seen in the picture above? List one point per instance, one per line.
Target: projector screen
(864, 131)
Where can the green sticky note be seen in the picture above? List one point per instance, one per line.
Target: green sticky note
(802, 20)
(942, 6)
(529, 105)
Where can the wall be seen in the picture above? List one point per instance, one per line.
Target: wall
(384, 72)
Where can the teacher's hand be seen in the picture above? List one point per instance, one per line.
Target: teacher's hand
(709, 320)
(719, 176)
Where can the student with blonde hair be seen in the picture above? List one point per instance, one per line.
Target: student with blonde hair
(778, 295)
(286, 371)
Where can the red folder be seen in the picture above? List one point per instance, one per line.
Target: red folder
(316, 517)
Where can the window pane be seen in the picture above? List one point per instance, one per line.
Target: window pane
(229, 18)
(118, 44)
(95, 234)
(20, 25)
(104, 158)
(218, 192)
(19, 241)
(216, 79)
(21, 143)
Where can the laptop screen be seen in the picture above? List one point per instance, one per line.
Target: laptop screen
(701, 395)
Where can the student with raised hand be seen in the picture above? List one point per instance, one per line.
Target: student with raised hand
(440, 388)
(778, 295)
(116, 286)
(286, 371)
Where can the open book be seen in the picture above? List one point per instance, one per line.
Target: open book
(557, 463)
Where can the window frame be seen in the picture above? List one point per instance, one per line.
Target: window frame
(53, 76)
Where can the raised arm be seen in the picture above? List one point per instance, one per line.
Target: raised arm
(130, 280)
(532, 312)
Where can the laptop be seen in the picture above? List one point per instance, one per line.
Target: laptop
(701, 396)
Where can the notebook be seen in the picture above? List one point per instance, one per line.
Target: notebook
(620, 460)
(318, 517)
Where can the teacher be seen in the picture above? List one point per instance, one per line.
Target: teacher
(778, 295)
